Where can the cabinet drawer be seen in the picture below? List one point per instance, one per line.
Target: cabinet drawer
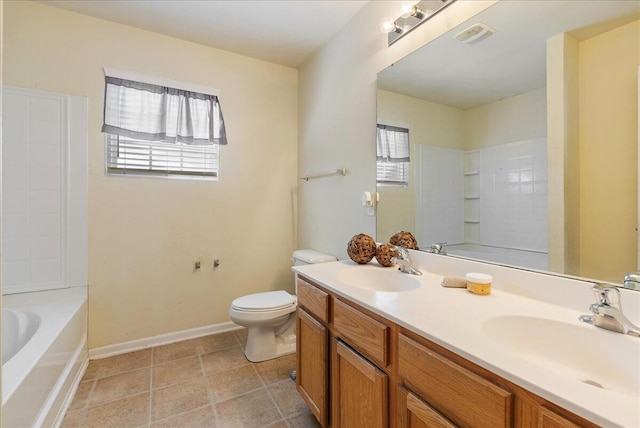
(550, 419)
(463, 397)
(363, 333)
(415, 413)
(314, 300)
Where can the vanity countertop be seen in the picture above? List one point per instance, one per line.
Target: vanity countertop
(461, 322)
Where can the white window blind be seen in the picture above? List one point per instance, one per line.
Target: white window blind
(159, 130)
(129, 156)
(392, 156)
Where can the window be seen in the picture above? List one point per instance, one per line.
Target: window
(392, 156)
(130, 156)
(161, 128)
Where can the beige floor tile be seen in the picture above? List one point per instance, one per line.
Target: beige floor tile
(226, 359)
(254, 409)
(303, 420)
(287, 398)
(176, 371)
(73, 418)
(276, 370)
(121, 385)
(115, 390)
(234, 382)
(242, 335)
(82, 394)
(175, 351)
(203, 417)
(279, 424)
(92, 370)
(179, 398)
(127, 412)
(123, 363)
(217, 342)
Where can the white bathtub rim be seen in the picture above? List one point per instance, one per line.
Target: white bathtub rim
(15, 371)
(82, 355)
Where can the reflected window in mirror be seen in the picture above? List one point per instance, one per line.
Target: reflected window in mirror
(392, 156)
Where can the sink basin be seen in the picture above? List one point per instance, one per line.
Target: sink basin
(584, 353)
(379, 279)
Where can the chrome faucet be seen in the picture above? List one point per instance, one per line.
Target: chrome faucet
(403, 260)
(607, 311)
(632, 281)
(436, 248)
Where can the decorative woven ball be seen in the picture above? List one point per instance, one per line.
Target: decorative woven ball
(384, 254)
(361, 249)
(404, 239)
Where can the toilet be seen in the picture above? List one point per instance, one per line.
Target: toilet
(270, 317)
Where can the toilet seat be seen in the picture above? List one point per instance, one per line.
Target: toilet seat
(264, 302)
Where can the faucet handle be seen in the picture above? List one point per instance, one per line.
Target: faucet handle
(403, 254)
(436, 248)
(607, 295)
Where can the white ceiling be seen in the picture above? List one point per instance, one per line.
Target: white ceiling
(284, 32)
(508, 63)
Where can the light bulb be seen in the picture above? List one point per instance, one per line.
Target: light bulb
(387, 24)
(407, 9)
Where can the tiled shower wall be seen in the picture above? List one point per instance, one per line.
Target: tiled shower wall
(44, 191)
(499, 199)
(439, 205)
(513, 195)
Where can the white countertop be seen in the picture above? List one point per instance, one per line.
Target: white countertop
(454, 319)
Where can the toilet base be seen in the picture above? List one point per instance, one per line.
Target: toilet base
(263, 344)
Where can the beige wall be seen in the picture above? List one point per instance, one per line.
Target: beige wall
(517, 118)
(1, 68)
(429, 124)
(593, 167)
(608, 68)
(337, 117)
(562, 140)
(145, 234)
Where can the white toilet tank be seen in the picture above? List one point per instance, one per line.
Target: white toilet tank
(309, 257)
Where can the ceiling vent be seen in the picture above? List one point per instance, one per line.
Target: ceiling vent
(474, 34)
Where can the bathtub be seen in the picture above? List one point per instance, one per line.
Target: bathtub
(44, 353)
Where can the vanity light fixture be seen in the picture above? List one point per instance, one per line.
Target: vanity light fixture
(411, 9)
(388, 25)
(412, 14)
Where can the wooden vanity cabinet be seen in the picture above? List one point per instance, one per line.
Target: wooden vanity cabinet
(458, 395)
(359, 390)
(312, 364)
(363, 333)
(342, 354)
(413, 412)
(358, 369)
(549, 419)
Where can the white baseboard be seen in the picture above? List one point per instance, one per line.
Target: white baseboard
(162, 339)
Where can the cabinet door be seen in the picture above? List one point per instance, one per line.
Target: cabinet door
(415, 413)
(549, 419)
(359, 394)
(312, 341)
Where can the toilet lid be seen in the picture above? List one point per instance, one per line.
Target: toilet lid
(268, 301)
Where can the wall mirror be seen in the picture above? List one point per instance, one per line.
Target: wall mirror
(523, 129)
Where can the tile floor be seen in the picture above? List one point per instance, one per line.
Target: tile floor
(205, 382)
